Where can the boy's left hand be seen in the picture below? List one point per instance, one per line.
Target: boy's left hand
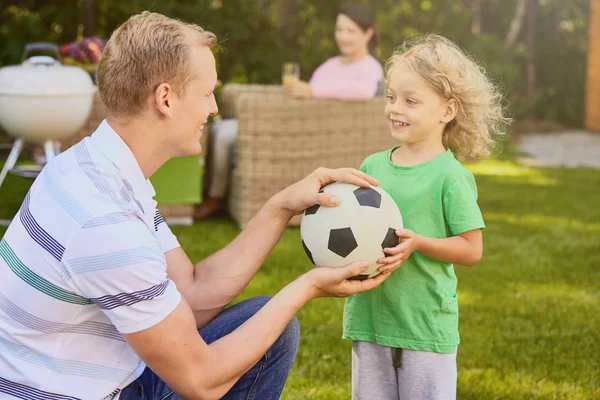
(409, 243)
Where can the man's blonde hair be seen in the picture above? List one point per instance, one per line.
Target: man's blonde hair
(147, 50)
(453, 75)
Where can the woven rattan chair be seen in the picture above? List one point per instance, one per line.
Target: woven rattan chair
(281, 140)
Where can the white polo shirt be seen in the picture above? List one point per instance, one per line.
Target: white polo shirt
(82, 262)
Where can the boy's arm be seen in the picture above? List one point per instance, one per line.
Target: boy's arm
(465, 248)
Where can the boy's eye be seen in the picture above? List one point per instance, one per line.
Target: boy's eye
(391, 98)
(410, 102)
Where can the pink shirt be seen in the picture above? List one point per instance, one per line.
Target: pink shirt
(355, 81)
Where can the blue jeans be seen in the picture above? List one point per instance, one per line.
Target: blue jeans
(264, 381)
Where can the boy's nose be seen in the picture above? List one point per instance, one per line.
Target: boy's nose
(394, 110)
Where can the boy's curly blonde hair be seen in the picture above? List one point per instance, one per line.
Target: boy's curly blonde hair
(453, 75)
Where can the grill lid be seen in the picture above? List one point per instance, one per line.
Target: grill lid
(44, 76)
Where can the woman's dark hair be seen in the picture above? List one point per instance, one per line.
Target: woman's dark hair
(362, 16)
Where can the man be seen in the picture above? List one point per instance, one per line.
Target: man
(97, 299)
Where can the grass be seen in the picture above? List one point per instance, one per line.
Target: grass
(530, 311)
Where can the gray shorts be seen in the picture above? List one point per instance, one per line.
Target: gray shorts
(385, 373)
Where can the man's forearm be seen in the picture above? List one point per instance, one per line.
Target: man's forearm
(455, 249)
(177, 353)
(220, 278)
(239, 351)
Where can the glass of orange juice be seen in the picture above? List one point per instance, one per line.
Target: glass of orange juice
(290, 72)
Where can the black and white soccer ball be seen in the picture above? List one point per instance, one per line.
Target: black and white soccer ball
(359, 228)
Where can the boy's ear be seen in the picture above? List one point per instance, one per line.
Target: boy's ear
(450, 110)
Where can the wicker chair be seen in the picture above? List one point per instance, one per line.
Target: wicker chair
(281, 140)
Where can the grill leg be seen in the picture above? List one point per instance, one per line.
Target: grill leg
(12, 158)
(52, 148)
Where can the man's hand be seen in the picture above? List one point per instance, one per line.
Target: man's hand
(409, 243)
(305, 193)
(333, 282)
(298, 90)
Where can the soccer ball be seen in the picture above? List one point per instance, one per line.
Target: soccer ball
(359, 228)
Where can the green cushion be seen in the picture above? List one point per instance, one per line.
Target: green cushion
(179, 181)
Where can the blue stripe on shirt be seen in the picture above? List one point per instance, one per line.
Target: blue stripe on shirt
(112, 219)
(41, 325)
(158, 219)
(66, 367)
(29, 393)
(127, 299)
(62, 197)
(37, 233)
(84, 160)
(112, 260)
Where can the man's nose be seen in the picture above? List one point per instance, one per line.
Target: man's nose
(214, 109)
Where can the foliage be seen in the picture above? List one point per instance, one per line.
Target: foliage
(257, 36)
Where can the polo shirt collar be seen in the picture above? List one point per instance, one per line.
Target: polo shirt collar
(109, 143)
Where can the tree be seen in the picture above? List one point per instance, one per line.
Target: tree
(87, 17)
(476, 23)
(288, 28)
(515, 25)
(536, 50)
(485, 17)
(532, 13)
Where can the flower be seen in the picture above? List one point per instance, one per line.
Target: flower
(87, 50)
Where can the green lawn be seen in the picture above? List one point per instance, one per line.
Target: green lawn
(530, 312)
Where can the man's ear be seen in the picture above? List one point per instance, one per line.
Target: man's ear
(450, 110)
(163, 97)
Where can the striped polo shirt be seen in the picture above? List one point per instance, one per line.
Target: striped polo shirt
(82, 263)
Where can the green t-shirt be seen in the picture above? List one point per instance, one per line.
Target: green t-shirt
(417, 306)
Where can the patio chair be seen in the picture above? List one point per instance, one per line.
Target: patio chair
(281, 140)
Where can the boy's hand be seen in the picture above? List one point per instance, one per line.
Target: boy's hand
(409, 243)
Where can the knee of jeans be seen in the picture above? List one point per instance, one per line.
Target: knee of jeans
(290, 337)
(259, 302)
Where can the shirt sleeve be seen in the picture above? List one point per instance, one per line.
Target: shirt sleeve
(363, 166)
(121, 267)
(168, 241)
(461, 210)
